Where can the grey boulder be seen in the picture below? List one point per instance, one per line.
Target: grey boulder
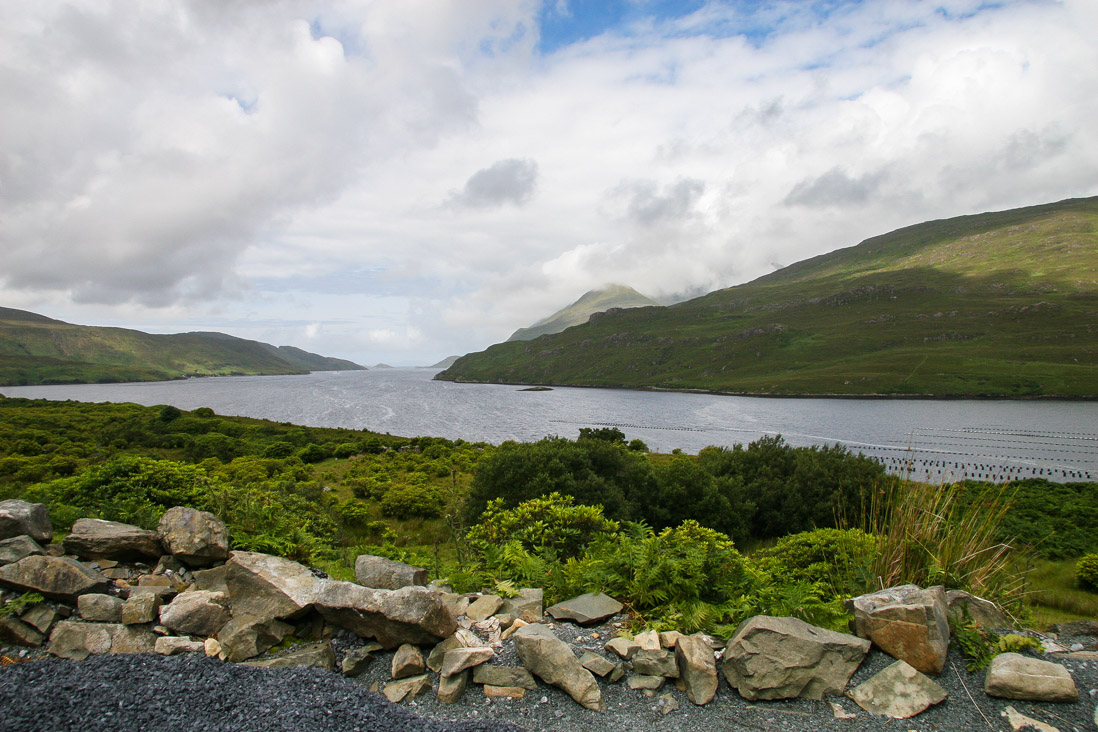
(782, 658)
(586, 609)
(76, 641)
(197, 538)
(411, 614)
(20, 517)
(19, 547)
(99, 539)
(550, 658)
(1014, 676)
(265, 586)
(58, 578)
(197, 612)
(314, 655)
(100, 608)
(527, 605)
(697, 668)
(385, 574)
(907, 623)
(246, 636)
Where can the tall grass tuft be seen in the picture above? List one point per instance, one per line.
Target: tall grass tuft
(928, 537)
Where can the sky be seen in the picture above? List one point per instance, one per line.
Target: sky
(400, 181)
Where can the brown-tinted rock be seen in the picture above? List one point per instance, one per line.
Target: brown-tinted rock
(99, 539)
(452, 687)
(407, 661)
(15, 630)
(406, 689)
(99, 608)
(58, 578)
(597, 664)
(550, 658)
(622, 648)
(1014, 676)
(483, 607)
(527, 605)
(411, 614)
(198, 538)
(697, 668)
(984, 613)
(504, 692)
(197, 612)
(782, 658)
(385, 574)
(19, 547)
(460, 659)
(77, 641)
(356, 660)
(660, 662)
(461, 638)
(19, 518)
(504, 676)
(212, 579)
(41, 616)
(141, 608)
(173, 645)
(907, 623)
(271, 587)
(246, 636)
(314, 655)
(899, 691)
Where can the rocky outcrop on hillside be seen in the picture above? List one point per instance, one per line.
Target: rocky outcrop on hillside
(116, 589)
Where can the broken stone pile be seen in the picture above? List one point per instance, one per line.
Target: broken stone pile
(116, 588)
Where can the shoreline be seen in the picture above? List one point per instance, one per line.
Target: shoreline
(796, 395)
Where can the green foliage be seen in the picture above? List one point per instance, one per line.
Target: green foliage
(637, 445)
(841, 560)
(593, 471)
(550, 526)
(21, 603)
(974, 643)
(407, 500)
(1014, 643)
(607, 434)
(1086, 572)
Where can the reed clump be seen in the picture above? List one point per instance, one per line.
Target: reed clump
(928, 536)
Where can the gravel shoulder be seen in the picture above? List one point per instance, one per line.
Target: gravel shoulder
(196, 693)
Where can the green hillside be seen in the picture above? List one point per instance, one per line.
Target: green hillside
(996, 304)
(39, 350)
(595, 301)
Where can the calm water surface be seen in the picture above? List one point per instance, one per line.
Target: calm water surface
(931, 439)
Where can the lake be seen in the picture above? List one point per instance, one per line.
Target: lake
(928, 439)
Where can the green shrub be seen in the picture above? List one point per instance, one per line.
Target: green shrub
(345, 450)
(1014, 643)
(409, 500)
(552, 526)
(21, 603)
(278, 450)
(1086, 572)
(840, 559)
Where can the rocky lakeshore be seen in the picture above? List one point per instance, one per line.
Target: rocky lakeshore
(169, 629)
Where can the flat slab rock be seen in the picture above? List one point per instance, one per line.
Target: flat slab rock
(586, 609)
(99, 539)
(899, 691)
(1014, 676)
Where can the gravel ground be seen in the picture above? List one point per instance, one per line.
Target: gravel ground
(193, 693)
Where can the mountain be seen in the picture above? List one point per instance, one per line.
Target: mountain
(35, 349)
(444, 363)
(595, 301)
(994, 304)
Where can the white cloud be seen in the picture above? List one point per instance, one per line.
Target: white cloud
(240, 166)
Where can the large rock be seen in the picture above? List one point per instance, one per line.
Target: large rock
(17, 631)
(99, 608)
(99, 539)
(586, 609)
(1014, 676)
(197, 612)
(550, 658)
(483, 607)
(461, 659)
(527, 605)
(407, 661)
(451, 688)
(782, 658)
(659, 662)
(411, 614)
(143, 607)
(266, 586)
(697, 668)
(77, 641)
(386, 574)
(899, 692)
(907, 623)
(984, 613)
(19, 517)
(197, 538)
(58, 578)
(314, 655)
(19, 547)
(246, 636)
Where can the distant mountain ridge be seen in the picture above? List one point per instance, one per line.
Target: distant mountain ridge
(591, 302)
(1000, 304)
(35, 349)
